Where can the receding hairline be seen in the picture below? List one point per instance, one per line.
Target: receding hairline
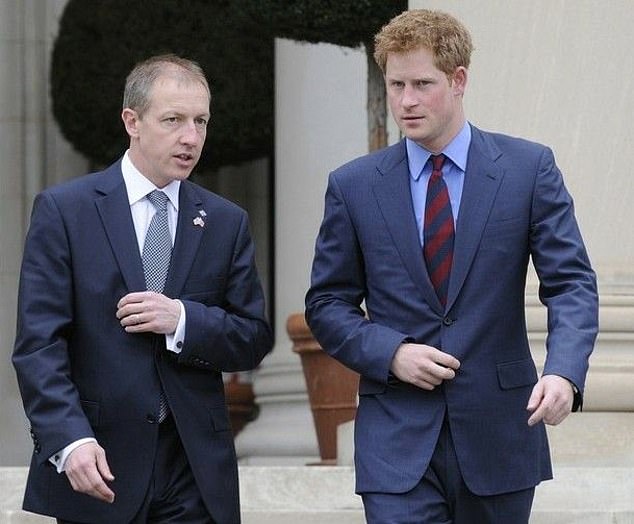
(141, 80)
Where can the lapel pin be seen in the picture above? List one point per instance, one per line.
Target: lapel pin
(202, 213)
(199, 222)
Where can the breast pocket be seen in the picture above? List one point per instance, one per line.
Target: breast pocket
(504, 235)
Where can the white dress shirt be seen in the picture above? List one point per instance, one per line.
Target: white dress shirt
(142, 211)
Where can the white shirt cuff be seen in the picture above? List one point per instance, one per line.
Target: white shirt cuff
(174, 342)
(59, 459)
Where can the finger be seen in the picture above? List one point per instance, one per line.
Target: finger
(103, 467)
(557, 413)
(134, 321)
(103, 492)
(424, 384)
(95, 478)
(444, 373)
(536, 397)
(100, 490)
(127, 310)
(537, 415)
(447, 360)
(88, 480)
(132, 298)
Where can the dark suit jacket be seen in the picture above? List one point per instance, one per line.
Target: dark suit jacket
(81, 374)
(514, 208)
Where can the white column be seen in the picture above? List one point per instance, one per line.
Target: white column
(320, 124)
(15, 444)
(33, 155)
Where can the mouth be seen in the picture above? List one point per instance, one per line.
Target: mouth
(185, 157)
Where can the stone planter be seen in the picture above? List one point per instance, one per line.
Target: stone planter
(332, 387)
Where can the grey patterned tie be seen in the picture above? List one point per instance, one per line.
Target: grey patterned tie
(157, 249)
(157, 252)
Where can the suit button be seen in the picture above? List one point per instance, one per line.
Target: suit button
(37, 449)
(150, 418)
(447, 321)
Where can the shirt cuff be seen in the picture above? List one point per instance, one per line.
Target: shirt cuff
(174, 342)
(59, 459)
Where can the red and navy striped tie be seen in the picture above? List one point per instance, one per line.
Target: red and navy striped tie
(438, 230)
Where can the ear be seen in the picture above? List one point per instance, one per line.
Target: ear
(130, 120)
(459, 80)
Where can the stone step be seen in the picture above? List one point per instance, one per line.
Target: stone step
(325, 495)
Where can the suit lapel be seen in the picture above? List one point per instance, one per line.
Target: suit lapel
(482, 181)
(114, 210)
(192, 221)
(393, 194)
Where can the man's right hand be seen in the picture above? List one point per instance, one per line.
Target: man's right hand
(88, 471)
(424, 366)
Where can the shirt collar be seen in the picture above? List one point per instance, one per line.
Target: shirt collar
(138, 186)
(457, 151)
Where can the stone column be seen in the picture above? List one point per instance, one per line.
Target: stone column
(33, 155)
(320, 124)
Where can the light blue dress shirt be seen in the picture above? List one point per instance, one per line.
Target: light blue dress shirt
(453, 171)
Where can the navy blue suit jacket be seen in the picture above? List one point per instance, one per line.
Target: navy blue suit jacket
(514, 208)
(82, 375)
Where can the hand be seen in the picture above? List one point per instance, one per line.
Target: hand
(424, 366)
(147, 311)
(551, 400)
(88, 471)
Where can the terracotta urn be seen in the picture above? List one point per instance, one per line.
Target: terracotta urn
(332, 387)
(240, 402)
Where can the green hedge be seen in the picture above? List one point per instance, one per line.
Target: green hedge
(99, 42)
(348, 23)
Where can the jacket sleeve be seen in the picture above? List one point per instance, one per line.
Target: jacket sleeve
(568, 285)
(338, 287)
(44, 325)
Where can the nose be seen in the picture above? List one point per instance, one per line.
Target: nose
(409, 98)
(191, 134)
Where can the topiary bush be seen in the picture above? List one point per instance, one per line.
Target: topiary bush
(348, 23)
(99, 41)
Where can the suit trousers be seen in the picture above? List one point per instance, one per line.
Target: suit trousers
(442, 497)
(172, 496)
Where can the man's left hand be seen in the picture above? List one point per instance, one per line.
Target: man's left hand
(147, 311)
(550, 401)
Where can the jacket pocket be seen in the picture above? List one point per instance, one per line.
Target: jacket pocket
(371, 387)
(517, 373)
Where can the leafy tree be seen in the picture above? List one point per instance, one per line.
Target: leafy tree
(99, 42)
(348, 23)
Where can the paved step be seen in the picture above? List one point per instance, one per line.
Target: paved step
(324, 495)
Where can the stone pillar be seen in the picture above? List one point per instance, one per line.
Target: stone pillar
(320, 124)
(33, 155)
